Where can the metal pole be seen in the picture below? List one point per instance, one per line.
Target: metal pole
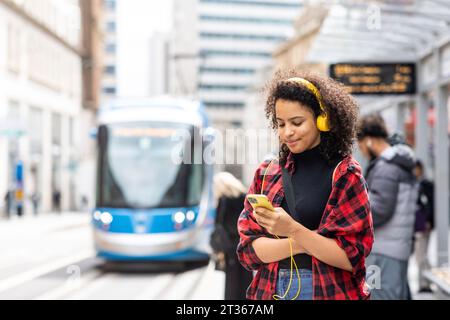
(401, 110)
(421, 130)
(441, 144)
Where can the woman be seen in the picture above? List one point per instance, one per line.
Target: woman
(329, 231)
(230, 195)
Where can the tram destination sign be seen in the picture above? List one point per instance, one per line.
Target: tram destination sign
(376, 78)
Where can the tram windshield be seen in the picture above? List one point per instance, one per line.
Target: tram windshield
(148, 165)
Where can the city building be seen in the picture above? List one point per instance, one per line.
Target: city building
(41, 101)
(218, 46)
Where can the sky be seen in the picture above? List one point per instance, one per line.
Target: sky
(137, 21)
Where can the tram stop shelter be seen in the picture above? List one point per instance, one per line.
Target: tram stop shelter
(413, 33)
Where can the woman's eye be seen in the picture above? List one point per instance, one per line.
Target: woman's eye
(298, 124)
(280, 125)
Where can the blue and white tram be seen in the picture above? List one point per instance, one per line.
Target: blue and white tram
(154, 196)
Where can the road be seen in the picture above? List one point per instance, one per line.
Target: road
(52, 257)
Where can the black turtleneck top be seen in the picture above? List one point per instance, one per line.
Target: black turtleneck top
(312, 182)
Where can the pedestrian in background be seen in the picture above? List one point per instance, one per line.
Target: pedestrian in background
(230, 196)
(57, 200)
(35, 199)
(8, 202)
(393, 195)
(84, 203)
(424, 224)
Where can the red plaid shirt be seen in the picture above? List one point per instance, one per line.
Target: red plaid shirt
(346, 219)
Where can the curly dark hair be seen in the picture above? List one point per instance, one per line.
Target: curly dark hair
(341, 108)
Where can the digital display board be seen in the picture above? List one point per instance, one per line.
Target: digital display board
(376, 78)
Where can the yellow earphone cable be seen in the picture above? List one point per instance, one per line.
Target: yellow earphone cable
(293, 263)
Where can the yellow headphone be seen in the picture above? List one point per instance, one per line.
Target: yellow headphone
(322, 120)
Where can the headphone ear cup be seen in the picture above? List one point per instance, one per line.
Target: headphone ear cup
(322, 123)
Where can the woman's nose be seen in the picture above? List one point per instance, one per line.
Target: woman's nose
(290, 132)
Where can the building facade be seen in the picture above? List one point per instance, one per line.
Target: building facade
(41, 101)
(294, 52)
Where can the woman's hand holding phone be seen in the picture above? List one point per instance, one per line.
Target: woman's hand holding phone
(277, 222)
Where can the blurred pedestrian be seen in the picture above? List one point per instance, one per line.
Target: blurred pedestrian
(230, 196)
(8, 202)
(35, 199)
(84, 203)
(57, 200)
(424, 224)
(393, 196)
(19, 199)
(313, 245)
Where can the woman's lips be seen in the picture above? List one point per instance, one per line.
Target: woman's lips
(292, 143)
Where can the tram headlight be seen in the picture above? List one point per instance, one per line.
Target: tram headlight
(106, 218)
(179, 217)
(97, 215)
(190, 216)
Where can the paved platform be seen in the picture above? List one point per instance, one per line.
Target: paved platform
(413, 275)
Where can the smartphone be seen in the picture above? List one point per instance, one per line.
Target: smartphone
(260, 200)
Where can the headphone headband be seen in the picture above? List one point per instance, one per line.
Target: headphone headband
(311, 87)
(322, 120)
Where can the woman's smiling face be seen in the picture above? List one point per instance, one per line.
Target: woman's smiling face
(296, 126)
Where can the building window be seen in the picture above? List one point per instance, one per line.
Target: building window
(111, 70)
(109, 90)
(227, 70)
(234, 53)
(245, 20)
(234, 36)
(221, 87)
(111, 48)
(111, 4)
(111, 26)
(256, 3)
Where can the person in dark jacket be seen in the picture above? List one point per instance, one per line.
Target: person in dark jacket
(393, 192)
(230, 195)
(9, 197)
(424, 224)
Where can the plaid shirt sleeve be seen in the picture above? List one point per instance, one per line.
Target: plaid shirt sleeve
(350, 221)
(249, 229)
